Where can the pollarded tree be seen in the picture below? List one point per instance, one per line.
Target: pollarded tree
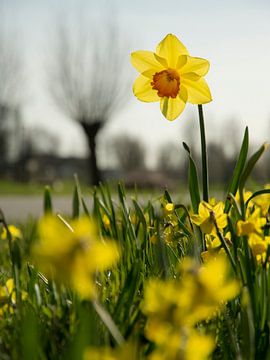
(11, 79)
(130, 152)
(88, 77)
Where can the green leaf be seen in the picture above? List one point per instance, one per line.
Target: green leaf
(47, 200)
(238, 169)
(16, 254)
(193, 181)
(167, 196)
(85, 208)
(250, 165)
(257, 193)
(140, 214)
(76, 202)
(108, 321)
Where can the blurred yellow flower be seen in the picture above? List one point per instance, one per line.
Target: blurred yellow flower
(259, 246)
(127, 351)
(169, 233)
(8, 297)
(253, 224)
(170, 76)
(14, 231)
(215, 280)
(106, 221)
(99, 354)
(263, 201)
(72, 254)
(168, 209)
(209, 215)
(191, 346)
(199, 346)
(213, 246)
(174, 307)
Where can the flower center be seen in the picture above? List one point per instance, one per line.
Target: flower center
(167, 83)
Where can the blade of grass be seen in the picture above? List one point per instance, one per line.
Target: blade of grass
(193, 183)
(239, 167)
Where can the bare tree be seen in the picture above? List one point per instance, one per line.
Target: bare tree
(129, 152)
(11, 77)
(169, 158)
(88, 77)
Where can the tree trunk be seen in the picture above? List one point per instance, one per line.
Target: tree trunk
(91, 130)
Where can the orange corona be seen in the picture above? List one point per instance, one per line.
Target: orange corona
(167, 83)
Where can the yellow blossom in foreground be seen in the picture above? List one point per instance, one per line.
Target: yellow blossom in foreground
(253, 224)
(14, 231)
(192, 345)
(72, 254)
(127, 351)
(170, 76)
(174, 307)
(209, 215)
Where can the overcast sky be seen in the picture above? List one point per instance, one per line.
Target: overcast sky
(233, 35)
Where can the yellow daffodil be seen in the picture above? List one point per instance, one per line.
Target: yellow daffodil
(214, 278)
(171, 76)
(168, 209)
(168, 234)
(106, 221)
(8, 297)
(199, 346)
(127, 351)
(14, 231)
(73, 253)
(259, 246)
(209, 216)
(213, 246)
(253, 224)
(263, 201)
(174, 307)
(192, 345)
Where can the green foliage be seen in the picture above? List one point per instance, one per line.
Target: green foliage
(52, 322)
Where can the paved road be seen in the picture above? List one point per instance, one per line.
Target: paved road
(21, 207)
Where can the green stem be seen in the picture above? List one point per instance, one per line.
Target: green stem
(226, 248)
(108, 321)
(204, 156)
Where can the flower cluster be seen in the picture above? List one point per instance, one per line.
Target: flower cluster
(254, 225)
(8, 297)
(15, 233)
(127, 351)
(72, 253)
(174, 308)
(211, 218)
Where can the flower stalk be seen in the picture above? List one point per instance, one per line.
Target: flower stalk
(204, 158)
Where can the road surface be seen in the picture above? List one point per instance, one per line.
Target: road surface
(20, 207)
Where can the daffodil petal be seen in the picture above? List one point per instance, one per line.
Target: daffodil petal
(171, 108)
(171, 48)
(182, 60)
(146, 60)
(198, 91)
(143, 91)
(191, 76)
(196, 65)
